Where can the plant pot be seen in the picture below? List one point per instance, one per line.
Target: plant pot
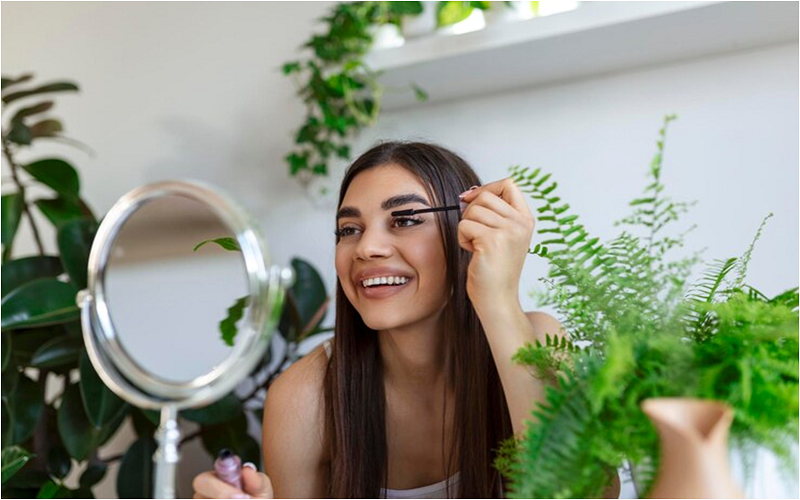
(693, 435)
(386, 36)
(422, 24)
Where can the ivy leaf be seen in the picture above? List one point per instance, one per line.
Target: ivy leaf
(228, 325)
(229, 244)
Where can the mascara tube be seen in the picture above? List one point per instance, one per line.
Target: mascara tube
(228, 467)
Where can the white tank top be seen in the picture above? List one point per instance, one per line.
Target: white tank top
(438, 490)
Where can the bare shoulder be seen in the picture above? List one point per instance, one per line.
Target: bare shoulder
(543, 324)
(294, 441)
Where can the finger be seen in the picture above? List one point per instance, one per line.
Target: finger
(470, 233)
(506, 189)
(485, 216)
(209, 485)
(256, 484)
(495, 203)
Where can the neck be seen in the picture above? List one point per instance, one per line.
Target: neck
(413, 355)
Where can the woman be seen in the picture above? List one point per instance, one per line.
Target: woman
(417, 389)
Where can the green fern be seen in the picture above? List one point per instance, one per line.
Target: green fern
(643, 333)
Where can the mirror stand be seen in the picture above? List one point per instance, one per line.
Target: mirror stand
(167, 455)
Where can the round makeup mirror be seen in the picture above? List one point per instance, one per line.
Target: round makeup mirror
(181, 304)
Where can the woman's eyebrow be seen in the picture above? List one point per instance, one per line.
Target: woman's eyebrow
(387, 204)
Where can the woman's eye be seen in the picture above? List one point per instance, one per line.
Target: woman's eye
(400, 222)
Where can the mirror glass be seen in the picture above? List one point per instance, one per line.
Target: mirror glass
(176, 288)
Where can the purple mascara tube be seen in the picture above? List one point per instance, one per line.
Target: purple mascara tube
(228, 467)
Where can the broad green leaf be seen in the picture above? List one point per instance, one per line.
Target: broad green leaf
(135, 478)
(229, 244)
(32, 110)
(304, 300)
(12, 206)
(26, 404)
(221, 411)
(20, 134)
(75, 242)
(9, 382)
(79, 436)
(6, 349)
(142, 423)
(57, 174)
(419, 92)
(59, 462)
(8, 425)
(25, 342)
(14, 458)
(100, 403)
(228, 325)
(20, 271)
(452, 12)
(93, 475)
(10, 82)
(51, 489)
(405, 8)
(232, 435)
(51, 87)
(44, 301)
(60, 351)
(46, 128)
(59, 210)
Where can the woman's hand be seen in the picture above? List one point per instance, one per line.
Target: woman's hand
(255, 485)
(496, 227)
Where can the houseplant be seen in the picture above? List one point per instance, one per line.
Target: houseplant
(637, 331)
(42, 346)
(340, 92)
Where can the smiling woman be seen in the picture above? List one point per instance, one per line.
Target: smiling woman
(415, 393)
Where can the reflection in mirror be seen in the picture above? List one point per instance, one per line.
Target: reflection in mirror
(176, 288)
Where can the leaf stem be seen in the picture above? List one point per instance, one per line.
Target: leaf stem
(21, 188)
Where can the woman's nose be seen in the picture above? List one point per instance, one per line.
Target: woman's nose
(373, 243)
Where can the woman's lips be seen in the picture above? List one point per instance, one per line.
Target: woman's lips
(381, 292)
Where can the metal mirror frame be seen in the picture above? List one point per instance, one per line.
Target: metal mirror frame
(127, 378)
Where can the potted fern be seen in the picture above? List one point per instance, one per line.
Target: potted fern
(638, 330)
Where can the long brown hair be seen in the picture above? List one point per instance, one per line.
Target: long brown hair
(355, 405)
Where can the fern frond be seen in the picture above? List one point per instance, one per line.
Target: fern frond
(744, 260)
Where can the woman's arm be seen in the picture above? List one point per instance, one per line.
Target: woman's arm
(293, 439)
(508, 329)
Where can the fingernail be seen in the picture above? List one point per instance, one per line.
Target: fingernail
(240, 495)
(468, 191)
(463, 205)
(250, 464)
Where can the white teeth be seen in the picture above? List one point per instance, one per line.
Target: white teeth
(384, 280)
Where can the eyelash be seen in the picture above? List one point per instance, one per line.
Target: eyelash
(340, 233)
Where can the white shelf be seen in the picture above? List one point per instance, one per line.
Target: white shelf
(596, 38)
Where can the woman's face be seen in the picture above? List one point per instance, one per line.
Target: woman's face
(374, 244)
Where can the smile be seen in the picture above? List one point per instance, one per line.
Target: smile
(383, 290)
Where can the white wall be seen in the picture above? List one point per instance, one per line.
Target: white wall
(194, 90)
